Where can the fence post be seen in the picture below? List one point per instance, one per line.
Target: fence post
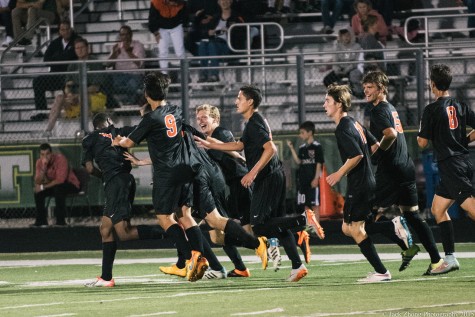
(420, 83)
(84, 97)
(301, 88)
(185, 100)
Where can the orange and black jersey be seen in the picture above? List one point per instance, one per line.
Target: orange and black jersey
(257, 133)
(384, 116)
(309, 155)
(444, 122)
(354, 140)
(97, 147)
(162, 128)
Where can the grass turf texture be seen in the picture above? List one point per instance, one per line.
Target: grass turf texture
(56, 289)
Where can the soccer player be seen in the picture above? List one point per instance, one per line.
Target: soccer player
(444, 122)
(233, 166)
(310, 161)
(267, 178)
(172, 171)
(395, 174)
(354, 142)
(119, 188)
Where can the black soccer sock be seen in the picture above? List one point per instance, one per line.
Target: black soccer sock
(281, 224)
(196, 238)
(228, 240)
(175, 232)
(181, 261)
(368, 250)
(287, 241)
(237, 231)
(424, 234)
(108, 255)
(210, 256)
(233, 253)
(385, 228)
(150, 232)
(447, 235)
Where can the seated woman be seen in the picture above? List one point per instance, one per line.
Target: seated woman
(69, 100)
(216, 43)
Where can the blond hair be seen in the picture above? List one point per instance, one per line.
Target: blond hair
(213, 111)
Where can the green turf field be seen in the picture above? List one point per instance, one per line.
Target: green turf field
(51, 284)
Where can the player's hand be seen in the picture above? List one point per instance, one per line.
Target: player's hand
(334, 178)
(133, 160)
(248, 179)
(315, 182)
(201, 143)
(289, 144)
(116, 140)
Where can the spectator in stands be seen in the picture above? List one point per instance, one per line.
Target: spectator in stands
(70, 99)
(201, 14)
(364, 9)
(216, 44)
(6, 7)
(331, 12)
(470, 9)
(127, 83)
(271, 9)
(53, 178)
(165, 21)
(27, 12)
(369, 41)
(347, 51)
(60, 49)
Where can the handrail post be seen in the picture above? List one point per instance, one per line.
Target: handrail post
(185, 99)
(84, 96)
(420, 82)
(301, 88)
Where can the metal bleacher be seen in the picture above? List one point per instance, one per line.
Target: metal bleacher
(291, 77)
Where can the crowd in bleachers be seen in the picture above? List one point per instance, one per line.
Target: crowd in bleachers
(199, 27)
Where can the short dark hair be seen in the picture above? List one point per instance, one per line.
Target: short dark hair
(378, 78)
(126, 27)
(99, 119)
(370, 21)
(441, 76)
(252, 92)
(308, 126)
(367, 2)
(156, 85)
(81, 40)
(45, 146)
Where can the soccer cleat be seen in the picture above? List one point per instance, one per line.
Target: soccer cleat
(261, 251)
(313, 222)
(273, 253)
(197, 267)
(402, 230)
(212, 274)
(375, 277)
(99, 282)
(433, 266)
(450, 264)
(173, 270)
(237, 273)
(304, 243)
(407, 256)
(297, 274)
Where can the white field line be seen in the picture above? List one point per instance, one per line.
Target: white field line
(156, 314)
(275, 310)
(331, 258)
(58, 315)
(406, 311)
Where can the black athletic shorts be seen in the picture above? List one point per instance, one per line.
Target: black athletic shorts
(357, 206)
(455, 178)
(396, 186)
(309, 197)
(170, 193)
(119, 197)
(208, 193)
(238, 203)
(268, 198)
